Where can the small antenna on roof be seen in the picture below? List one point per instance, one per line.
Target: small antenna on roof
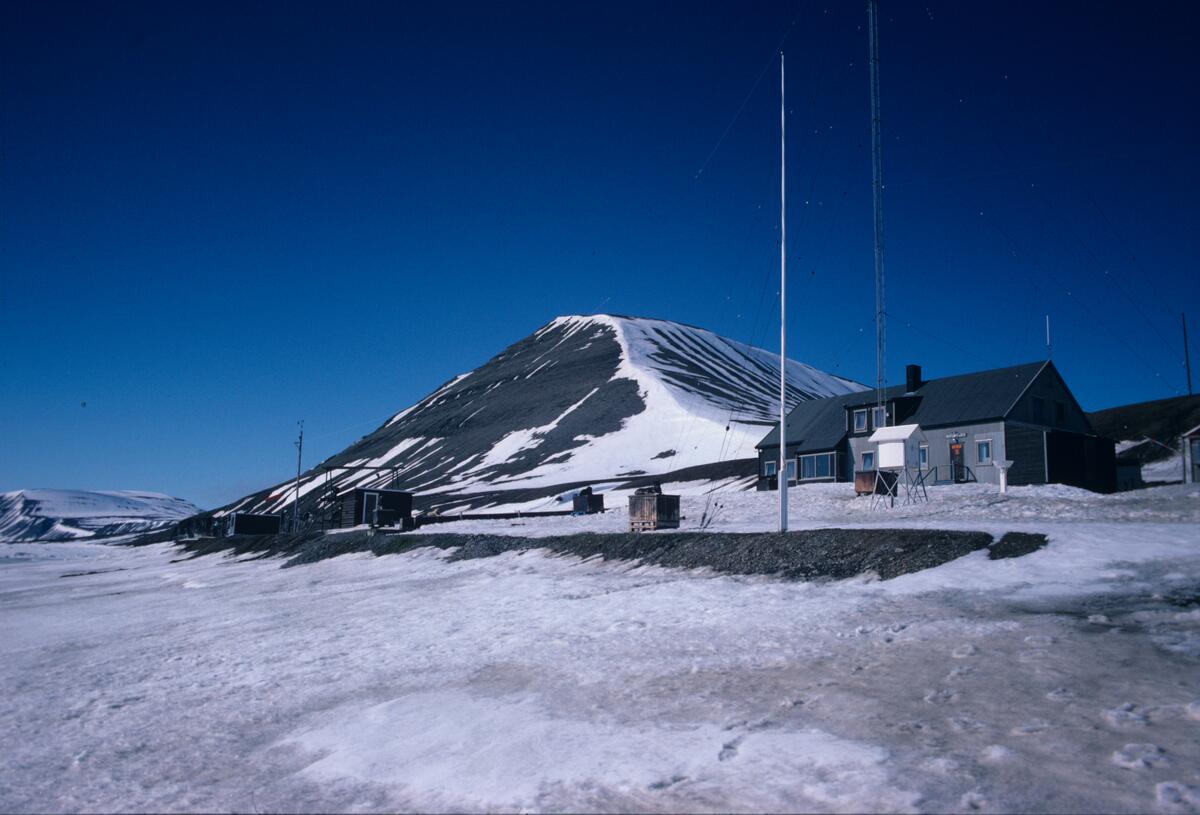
(1049, 347)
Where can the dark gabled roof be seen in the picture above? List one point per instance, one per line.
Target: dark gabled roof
(820, 424)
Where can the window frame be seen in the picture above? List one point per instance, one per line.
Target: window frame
(770, 468)
(923, 457)
(865, 414)
(816, 476)
(792, 469)
(865, 454)
(991, 456)
(875, 412)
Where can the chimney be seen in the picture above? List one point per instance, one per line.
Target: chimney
(912, 378)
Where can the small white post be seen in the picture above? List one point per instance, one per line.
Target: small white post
(1003, 467)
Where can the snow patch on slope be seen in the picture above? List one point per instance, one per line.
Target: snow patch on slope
(56, 515)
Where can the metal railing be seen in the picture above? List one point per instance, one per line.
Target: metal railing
(953, 474)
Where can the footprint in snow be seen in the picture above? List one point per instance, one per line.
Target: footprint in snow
(1140, 757)
(965, 724)
(1126, 715)
(1030, 728)
(996, 754)
(1040, 640)
(627, 625)
(667, 784)
(1034, 655)
(1061, 695)
(964, 651)
(1177, 798)
(972, 801)
(730, 749)
(941, 696)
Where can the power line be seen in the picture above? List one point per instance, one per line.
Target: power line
(737, 114)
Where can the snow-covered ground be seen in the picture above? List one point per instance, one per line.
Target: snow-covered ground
(1065, 680)
(723, 507)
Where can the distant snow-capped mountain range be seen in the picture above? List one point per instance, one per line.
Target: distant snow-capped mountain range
(599, 400)
(63, 515)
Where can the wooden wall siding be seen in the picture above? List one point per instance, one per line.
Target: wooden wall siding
(1082, 461)
(648, 512)
(1026, 450)
(391, 502)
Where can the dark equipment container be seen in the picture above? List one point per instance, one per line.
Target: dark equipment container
(588, 503)
(249, 523)
(376, 507)
(653, 511)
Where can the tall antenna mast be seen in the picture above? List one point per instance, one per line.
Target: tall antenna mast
(877, 190)
(299, 457)
(1049, 347)
(783, 474)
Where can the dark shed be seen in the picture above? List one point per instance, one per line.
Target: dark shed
(587, 503)
(249, 523)
(376, 507)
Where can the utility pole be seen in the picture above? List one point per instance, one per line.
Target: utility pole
(1187, 354)
(299, 458)
(877, 196)
(783, 458)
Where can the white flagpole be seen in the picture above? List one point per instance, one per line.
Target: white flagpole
(783, 459)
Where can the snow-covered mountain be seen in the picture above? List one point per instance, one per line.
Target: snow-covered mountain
(598, 400)
(60, 515)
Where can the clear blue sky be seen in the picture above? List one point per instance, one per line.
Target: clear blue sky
(218, 219)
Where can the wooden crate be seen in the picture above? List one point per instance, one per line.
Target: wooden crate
(864, 481)
(650, 512)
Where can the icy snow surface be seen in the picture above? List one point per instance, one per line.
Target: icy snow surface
(1065, 680)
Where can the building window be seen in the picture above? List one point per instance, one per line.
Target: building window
(983, 450)
(860, 421)
(791, 469)
(1039, 409)
(868, 459)
(879, 416)
(816, 465)
(770, 468)
(923, 457)
(1060, 413)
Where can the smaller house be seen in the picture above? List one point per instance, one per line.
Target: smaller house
(376, 507)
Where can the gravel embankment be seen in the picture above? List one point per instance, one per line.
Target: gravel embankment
(832, 554)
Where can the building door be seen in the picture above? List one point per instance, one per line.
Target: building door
(958, 472)
(370, 504)
(1195, 461)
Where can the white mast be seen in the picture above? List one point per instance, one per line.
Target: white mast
(783, 474)
(877, 196)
